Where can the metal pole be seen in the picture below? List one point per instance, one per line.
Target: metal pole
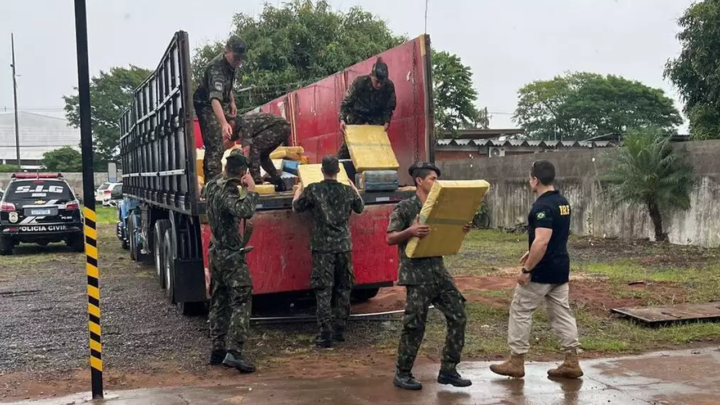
(91, 251)
(17, 127)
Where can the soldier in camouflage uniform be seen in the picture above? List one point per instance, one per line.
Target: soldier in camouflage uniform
(370, 100)
(262, 133)
(231, 284)
(331, 203)
(215, 105)
(427, 282)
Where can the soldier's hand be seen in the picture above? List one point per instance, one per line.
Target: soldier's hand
(466, 227)
(386, 126)
(418, 230)
(227, 131)
(233, 110)
(342, 125)
(248, 181)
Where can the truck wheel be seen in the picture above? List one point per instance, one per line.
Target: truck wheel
(6, 246)
(364, 294)
(159, 249)
(125, 245)
(131, 238)
(169, 273)
(193, 308)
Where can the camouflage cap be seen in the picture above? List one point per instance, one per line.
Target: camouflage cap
(423, 165)
(380, 70)
(236, 46)
(330, 165)
(238, 157)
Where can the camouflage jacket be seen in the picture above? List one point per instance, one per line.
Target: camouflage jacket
(255, 124)
(423, 270)
(331, 204)
(217, 83)
(365, 104)
(225, 209)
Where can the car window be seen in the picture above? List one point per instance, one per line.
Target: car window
(104, 187)
(39, 189)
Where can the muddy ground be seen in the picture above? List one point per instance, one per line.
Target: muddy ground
(147, 343)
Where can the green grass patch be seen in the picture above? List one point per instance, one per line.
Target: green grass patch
(106, 215)
(486, 250)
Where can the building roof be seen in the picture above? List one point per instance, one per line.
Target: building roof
(479, 133)
(523, 143)
(38, 134)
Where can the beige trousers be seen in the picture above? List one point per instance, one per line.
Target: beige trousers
(526, 300)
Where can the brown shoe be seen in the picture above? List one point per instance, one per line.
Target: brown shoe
(569, 369)
(515, 367)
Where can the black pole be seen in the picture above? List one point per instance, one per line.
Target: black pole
(90, 217)
(17, 126)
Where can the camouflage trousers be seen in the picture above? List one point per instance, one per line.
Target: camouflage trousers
(343, 152)
(268, 132)
(213, 141)
(332, 279)
(446, 298)
(230, 303)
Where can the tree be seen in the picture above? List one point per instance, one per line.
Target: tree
(648, 171)
(111, 94)
(584, 105)
(695, 72)
(453, 93)
(65, 159)
(298, 44)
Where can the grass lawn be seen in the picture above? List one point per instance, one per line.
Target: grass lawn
(606, 274)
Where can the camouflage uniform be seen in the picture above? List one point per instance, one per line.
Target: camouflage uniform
(263, 133)
(331, 204)
(231, 284)
(364, 104)
(427, 282)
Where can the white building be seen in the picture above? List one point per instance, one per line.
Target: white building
(38, 134)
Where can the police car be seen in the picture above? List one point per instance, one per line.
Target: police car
(40, 208)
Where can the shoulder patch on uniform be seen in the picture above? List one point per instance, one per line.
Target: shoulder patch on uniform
(540, 215)
(219, 86)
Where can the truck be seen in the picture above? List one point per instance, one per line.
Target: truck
(162, 216)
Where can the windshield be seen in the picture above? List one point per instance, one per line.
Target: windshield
(47, 190)
(104, 187)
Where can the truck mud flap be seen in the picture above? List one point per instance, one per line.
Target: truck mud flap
(189, 281)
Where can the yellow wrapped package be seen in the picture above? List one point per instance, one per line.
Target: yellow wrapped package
(288, 152)
(370, 148)
(199, 156)
(265, 189)
(309, 174)
(450, 205)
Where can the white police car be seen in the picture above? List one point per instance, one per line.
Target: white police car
(40, 208)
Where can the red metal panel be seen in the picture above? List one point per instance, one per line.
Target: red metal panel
(281, 259)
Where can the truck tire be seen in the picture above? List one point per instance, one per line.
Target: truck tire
(193, 308)
(6, 246)
(364, 294)
(131, 238)
(169, 271)
(159, 249)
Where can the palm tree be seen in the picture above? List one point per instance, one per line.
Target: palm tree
(647, 170)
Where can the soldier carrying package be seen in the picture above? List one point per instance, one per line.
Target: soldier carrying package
(370, 100)
(231, 286)
(331, 204)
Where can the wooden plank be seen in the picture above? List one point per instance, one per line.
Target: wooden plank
(675, 313)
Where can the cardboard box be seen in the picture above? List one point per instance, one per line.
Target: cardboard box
(370, 148)
(450, 205)
(313, 174)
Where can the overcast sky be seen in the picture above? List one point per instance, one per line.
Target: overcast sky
(507, 43)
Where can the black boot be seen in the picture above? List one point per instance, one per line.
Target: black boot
(235, 359)
(217, 356)
(279, 184)
(453, 378)
(324, 340)
(339, 334)
(406, 381)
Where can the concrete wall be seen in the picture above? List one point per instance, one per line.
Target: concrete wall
(578, 173)
(74, 179)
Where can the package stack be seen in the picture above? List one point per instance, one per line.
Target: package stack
(373, 159)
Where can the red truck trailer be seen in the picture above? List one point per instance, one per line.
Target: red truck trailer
(160, 185)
